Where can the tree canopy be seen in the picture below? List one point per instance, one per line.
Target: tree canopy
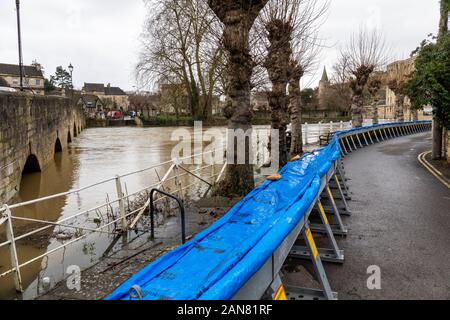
(430, 83)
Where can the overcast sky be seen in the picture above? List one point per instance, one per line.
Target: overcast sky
(101, 37)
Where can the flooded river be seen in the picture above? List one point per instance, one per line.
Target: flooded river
(95, 155)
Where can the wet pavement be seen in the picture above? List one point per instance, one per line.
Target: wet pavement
(400, 222)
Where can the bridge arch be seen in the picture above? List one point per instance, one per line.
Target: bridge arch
(31, 165)
(58, 146)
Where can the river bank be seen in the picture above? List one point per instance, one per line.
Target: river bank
(173, 121)
(116, 266)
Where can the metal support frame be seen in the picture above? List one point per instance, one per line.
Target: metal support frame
(365, 139)
(376, 136)
(7, 217)
(359, 140)
(307, 294)
(353, 141)
(348, 144)
(339, 228)
(333, 254)
(343, 148)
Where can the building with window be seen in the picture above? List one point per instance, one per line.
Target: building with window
(112, 98)
(33, 78)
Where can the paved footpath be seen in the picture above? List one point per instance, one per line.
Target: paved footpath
(400, 222)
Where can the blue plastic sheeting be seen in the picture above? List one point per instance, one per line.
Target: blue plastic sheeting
(220, 260)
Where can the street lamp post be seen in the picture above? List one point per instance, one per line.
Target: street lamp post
(71, 77)
(20, 44)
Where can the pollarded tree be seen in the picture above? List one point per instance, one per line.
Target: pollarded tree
(374, 86)
(365, 53)
(238, 17)
(288, 34)
(306, 49)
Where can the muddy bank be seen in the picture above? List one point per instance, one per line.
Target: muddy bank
(119, 264)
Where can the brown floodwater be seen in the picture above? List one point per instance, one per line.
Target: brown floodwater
(95, 155)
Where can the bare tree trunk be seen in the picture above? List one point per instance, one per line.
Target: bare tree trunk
(357, 85)
(438, 130)
(399, 103)
(238, 18)
(278, 65)
(375, 115)
(415, 115)
(357, 110)
(295, 112)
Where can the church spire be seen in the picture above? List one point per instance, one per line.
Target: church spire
(324, 75)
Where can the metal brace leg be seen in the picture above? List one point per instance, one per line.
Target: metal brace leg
(381, 134)
(376, 136)
(344, 183)
(365, 139)
(348, 144)
(333, 254)
(301, 293)
(341, 192)
(359, 140)
(370, 137)
(354, 144)
(393, 132)
(342, 228)
(388, 133)
(343, 147)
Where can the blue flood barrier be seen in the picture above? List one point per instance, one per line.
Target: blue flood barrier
(217, 262)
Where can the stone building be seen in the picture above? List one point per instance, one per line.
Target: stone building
(400, 67)
(112, 98)
(333, 99)
(33, 77)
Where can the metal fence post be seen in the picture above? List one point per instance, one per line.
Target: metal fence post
(320, 129)
(120, 196)
(306, 133)
(13, 249)
(178, 181)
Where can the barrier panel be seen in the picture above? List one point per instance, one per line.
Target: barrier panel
(240, 256)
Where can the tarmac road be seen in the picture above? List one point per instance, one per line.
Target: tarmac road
(400, 222)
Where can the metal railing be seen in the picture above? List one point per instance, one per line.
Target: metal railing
(172, 175)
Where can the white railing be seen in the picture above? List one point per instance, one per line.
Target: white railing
(110, 218)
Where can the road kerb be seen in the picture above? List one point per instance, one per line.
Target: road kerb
(435, 172)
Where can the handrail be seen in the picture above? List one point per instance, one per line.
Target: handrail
(78, 190)
(180, 206)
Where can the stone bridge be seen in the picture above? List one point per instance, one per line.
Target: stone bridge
(32, 130)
